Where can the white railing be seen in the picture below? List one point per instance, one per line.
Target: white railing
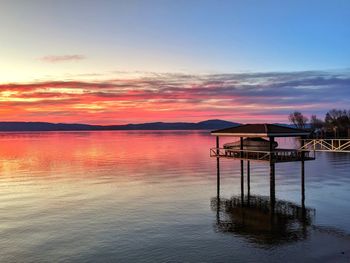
(326, 145)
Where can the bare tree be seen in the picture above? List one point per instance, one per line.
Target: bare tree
(338, 121)
(316, 123)
(298, 119)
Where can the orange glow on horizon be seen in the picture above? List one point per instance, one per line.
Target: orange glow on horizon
(165, 98)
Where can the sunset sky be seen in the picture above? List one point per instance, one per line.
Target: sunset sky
(116, 62)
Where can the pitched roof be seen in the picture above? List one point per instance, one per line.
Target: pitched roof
(261, 130)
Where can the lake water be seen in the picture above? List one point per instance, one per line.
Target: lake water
(149, 196)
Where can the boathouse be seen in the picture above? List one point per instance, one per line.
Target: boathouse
(257, 143)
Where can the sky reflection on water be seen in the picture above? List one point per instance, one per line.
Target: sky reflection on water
(146, 197)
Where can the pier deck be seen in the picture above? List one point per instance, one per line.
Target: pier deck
(276, 156)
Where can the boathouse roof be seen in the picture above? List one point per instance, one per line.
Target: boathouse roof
(261, 130)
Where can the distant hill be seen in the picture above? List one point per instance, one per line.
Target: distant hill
(46, 126)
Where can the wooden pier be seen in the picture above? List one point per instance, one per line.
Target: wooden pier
(271, 155)
(325, 145)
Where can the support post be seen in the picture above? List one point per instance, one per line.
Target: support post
(242, 169)
(302, 175)
(217, 167)
(303, 209)
(303, 183)
(248, 178)
(272, 173)
(217, 180)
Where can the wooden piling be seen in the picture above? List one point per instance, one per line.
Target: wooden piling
(242, 169)
(217, 168)
(302, 175)
(272, 173)
(248, 178)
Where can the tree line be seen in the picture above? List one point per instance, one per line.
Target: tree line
(336, 123)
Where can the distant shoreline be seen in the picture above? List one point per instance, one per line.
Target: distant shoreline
(47, 126)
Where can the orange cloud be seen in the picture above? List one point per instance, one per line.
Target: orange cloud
(258, 97)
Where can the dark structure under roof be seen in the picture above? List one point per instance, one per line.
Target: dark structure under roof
(260, 130)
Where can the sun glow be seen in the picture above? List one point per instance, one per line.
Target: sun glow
(67, 90)
(172, 97)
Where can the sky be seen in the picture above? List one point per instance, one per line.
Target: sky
(116, 62)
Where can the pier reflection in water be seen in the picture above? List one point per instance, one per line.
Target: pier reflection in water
(260, 222)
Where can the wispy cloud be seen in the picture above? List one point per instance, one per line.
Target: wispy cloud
(61, 58)
(251, 97)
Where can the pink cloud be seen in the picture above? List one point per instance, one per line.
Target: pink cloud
(62, 58)
(242, 98)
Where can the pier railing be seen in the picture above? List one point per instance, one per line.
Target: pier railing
(278, 155)
(326, 145)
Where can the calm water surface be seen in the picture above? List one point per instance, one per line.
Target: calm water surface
(150, 197)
